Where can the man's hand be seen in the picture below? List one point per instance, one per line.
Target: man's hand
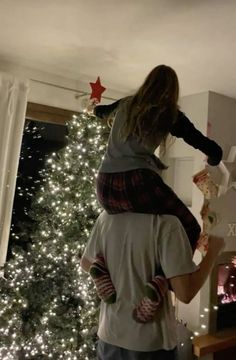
(186, 286)
(91, 106)
(216, 244)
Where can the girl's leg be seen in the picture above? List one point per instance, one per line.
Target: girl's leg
(163, 200)
(102, 280)
(144, 191)
(155, 291)
(112, 192)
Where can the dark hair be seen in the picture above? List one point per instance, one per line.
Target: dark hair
(153, 109)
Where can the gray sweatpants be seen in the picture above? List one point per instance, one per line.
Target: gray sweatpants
(110, 352)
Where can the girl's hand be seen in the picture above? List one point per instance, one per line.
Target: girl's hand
(91, 105)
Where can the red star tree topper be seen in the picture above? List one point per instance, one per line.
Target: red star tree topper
(97, 90)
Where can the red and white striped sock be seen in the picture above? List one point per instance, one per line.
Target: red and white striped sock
(154, 292)
(102, 280)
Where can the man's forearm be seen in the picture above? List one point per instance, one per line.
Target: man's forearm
(186, 286)
(198, 278)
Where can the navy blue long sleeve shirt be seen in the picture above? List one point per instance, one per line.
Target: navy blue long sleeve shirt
(182, 128)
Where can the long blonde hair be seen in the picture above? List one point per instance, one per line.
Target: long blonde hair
(153, 109)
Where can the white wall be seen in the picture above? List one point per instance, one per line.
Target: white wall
(51, 95)
(222, 116)
(220, 111)
(196, 109)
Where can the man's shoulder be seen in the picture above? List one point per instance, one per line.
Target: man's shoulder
(169, 221)
(125, 217)
(172, 220)
(169, 224)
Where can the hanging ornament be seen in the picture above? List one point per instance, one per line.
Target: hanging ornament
(97, 90)
(209, 217)
(207, 186)
(228, 169)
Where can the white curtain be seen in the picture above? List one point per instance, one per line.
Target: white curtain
(13, 101)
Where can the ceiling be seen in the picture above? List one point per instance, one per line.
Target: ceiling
(122, 40)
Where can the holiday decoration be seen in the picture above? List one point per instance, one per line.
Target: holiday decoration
(48, 305)
(210, 218)
(232, 229)
(207, 186)
(97, 90)
(212, 190)
(228, 170)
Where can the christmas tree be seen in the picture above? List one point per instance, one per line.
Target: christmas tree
(48, 305)
(38, 141)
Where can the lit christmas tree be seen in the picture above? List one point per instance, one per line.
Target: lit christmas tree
(48, 306)
(39, 140)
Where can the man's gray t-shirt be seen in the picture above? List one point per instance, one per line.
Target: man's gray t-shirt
(135, 246)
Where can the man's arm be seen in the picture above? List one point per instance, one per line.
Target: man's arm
(187, 286)
(93, 246)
